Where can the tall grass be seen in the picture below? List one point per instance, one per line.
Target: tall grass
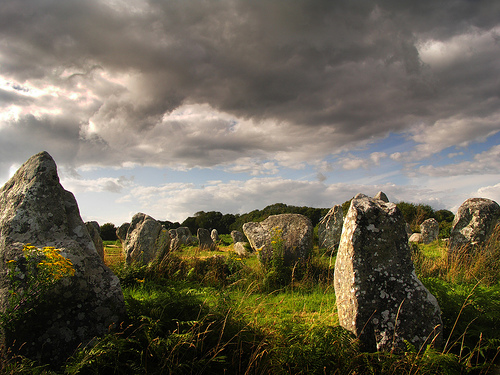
(197, 313)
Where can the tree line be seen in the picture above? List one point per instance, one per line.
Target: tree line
(414, 214)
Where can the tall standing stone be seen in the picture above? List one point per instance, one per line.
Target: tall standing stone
(205, 241)
(95, 233)
(143, 242)
(474, 222)
(215, 235)
(429, 230)
(379, 297)
(330, 228)
(35, 208)
(121, 233)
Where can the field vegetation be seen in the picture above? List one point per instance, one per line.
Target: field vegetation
(213, 312)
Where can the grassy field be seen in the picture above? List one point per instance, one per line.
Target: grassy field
(201, 312)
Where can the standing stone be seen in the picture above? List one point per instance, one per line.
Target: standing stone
(429, 230)
(237, 236)
(121, 233)
(379, 297)
(141, 242)
(474, 222)
(185, 236)
(95, 233)
(35, 208)
(215, 236)
(175, 242)
(330, 228)
(205, 241)
(294, 229)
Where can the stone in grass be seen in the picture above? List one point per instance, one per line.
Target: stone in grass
(330, 228)
(205, 241)
(237, 236)
(121, 233)
(429, 230)
(379, 297)
(95, 233)
(215, 235)
(294, 230)
(145, 239)
(474, 222)
(35, 208)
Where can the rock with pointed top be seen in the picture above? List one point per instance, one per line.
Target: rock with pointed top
(121, 232)
(95, 233)
(381, 195)
(379, 297)
(35, 208)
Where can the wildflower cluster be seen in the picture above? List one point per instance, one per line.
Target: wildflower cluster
(31, 276)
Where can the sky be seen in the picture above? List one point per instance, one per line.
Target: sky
(171, 107)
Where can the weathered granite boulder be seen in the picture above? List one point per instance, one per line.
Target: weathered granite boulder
(185, 236)
(294, 229)
(215, 236)
(379, 297)
(237, 236)
(474, 222)
(95, 234)
(175, 241)
(205, 241)
(35, 208)
(429, 230)
(121, 232)
(143, 243)
(330, 228)
(381, 195)
(241, 248)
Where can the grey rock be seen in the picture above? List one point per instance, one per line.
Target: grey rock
(330, 228)
(237, 236)
(429, 230)
(379, 297)
(215, 236)
(242, 248)
(381, 195)
(121, 232)
(95, 233)
(184, 231)
(474, 222)
(175, 240)
(141, 244)
(205, 240)
(35, 208)
(296, 233)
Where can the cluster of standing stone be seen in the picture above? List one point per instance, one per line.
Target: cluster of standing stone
(144, 239)
(379, 297)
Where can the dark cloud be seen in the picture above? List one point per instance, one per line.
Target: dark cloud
(327, 74)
